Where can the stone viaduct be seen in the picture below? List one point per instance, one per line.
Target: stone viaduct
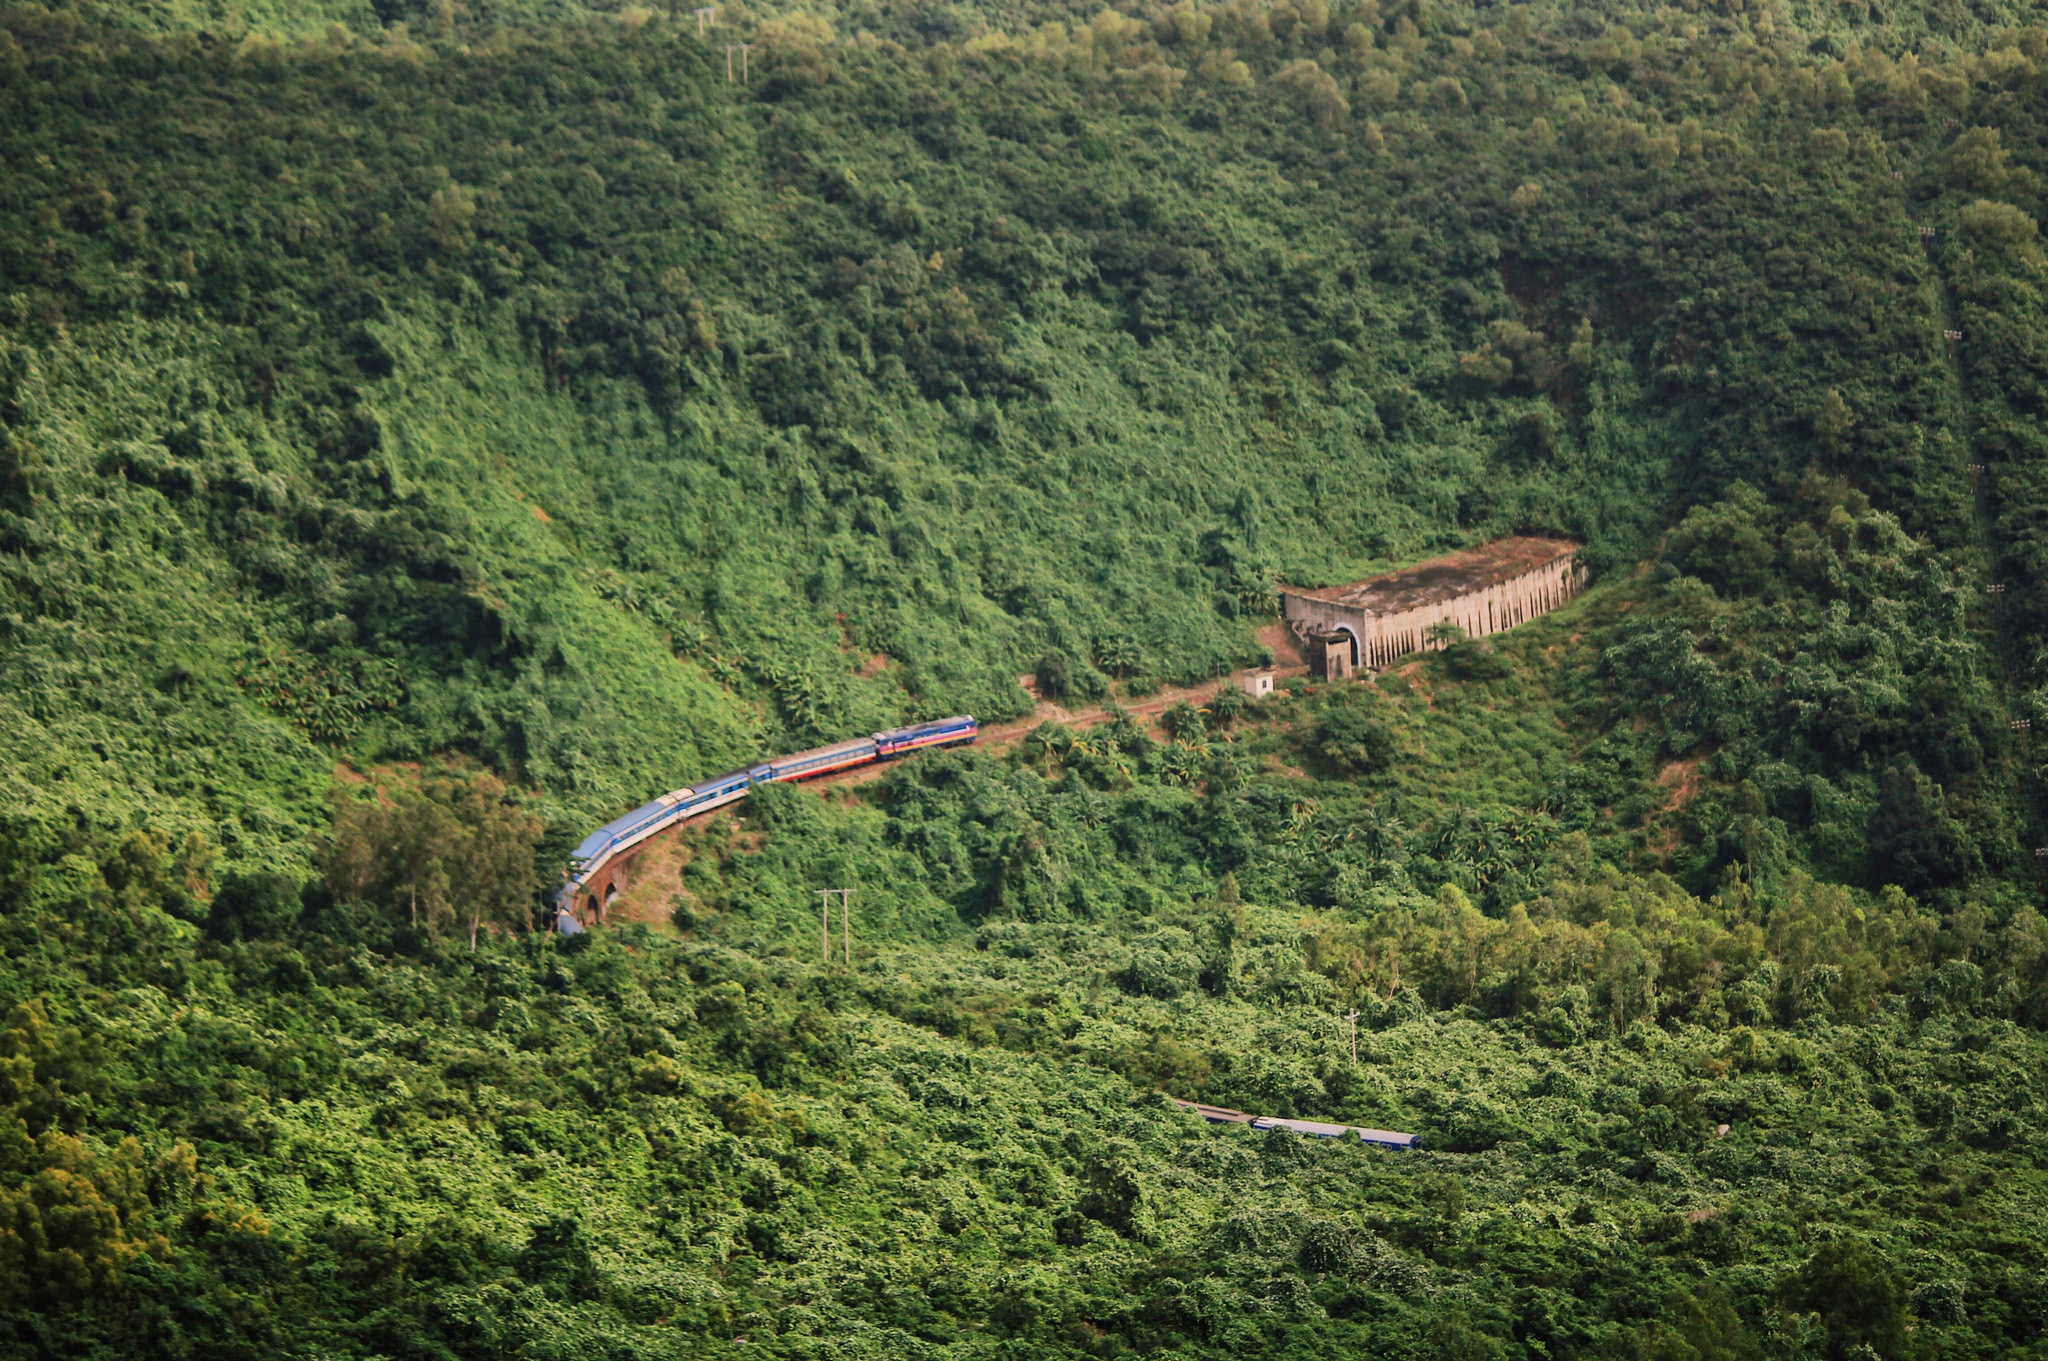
(1482, 590)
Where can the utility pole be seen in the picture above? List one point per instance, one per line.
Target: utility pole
(1352, 1017)
(742, 49)
(704, 17)
(845, 923)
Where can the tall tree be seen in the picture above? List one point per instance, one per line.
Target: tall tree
(453, 845)
(422, 835)
(492, 858)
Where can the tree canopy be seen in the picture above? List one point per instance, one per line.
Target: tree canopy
(429, 430)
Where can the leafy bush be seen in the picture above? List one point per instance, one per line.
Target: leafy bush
(254, 907)
(1060, 677)
(1351, 740)
(1475, 659)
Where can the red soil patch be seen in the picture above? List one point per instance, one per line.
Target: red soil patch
(654, 881)
(1412, 673)
(1285, 647)
(1682, 778)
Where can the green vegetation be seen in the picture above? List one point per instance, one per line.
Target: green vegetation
(426, 431)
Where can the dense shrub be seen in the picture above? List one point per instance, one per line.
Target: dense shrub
(1351, 740)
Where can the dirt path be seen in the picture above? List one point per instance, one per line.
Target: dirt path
(1150, 709)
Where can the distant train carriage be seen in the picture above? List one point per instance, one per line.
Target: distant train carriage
(805, 765)
(1315, 1129)
(716, 792)
(723, 789)
(630, 829)
(1387, 1138)
(620, 834)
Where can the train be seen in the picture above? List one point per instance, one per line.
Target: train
(621, 834)
(1314, 1129)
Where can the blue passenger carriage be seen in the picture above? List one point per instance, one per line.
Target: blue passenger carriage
(805, 765)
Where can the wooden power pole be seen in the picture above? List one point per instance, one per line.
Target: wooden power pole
(845, 923)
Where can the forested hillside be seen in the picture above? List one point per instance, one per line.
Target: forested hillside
(426, 431)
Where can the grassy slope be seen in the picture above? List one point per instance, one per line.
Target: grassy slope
(357, 448)
(121, 688)
(954, 1147)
